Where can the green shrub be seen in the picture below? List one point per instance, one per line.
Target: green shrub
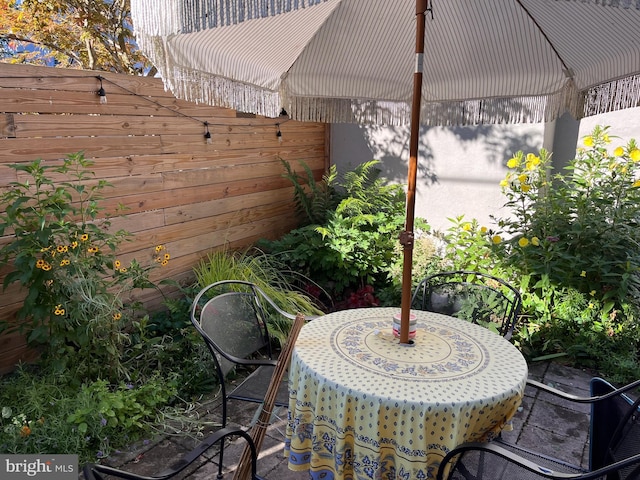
(356, 243)
(570, 242)
(47, 412)
(65, 256)
(580, 228)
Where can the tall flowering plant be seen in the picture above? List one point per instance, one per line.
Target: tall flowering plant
(578, 229)
(64, 253)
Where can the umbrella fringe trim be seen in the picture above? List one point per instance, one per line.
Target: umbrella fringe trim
(194, 15)
(202, 87)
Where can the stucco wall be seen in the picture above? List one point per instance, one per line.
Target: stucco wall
(460, 167)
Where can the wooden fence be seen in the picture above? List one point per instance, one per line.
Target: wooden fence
(192, 195)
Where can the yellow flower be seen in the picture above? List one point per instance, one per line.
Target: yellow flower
(59, 310)
(618, 152)
(496, 239)
(483, 229)
(522, 178)
(466, 227)
(84, 237)
(74, 244)
(525, 188)
(591, 305)
(62, 248)
(123, 270)
(64, 262)
(164, 263)
(532, 161)
(167, 256)
(513, 162)
(46, 267)
(116, 264)
(92, 249)
(636, 184)
(583, 273)
(535, 241)
(588, 141)
(40, 263)
(504, 183)
(606, 138)
(592, 293)
(117, 316)
(159, 248)
(635, 155)
(523, 242)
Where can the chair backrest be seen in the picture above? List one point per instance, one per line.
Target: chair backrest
(230, 317)
(100, 472)
(474, 296)
(615, 430)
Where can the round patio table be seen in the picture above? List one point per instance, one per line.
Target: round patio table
(362, 405)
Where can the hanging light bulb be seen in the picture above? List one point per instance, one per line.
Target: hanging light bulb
(278, 133)
(101, 93)
(207, 133)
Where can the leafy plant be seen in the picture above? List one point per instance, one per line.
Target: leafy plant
(579, 229)
(48, 412)
(356, 244)
(266, 272)
(65, 256)
(316, 201)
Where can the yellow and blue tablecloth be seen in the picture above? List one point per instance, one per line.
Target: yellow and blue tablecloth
(364, 406)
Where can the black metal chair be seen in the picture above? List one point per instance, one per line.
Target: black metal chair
(101, 472)
(474, 296)
(232, 317)
(614, 445)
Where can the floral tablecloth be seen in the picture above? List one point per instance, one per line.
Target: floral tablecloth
(363, 406)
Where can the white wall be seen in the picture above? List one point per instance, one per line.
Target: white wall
(460, 167)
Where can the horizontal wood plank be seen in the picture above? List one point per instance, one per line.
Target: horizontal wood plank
(177, 189)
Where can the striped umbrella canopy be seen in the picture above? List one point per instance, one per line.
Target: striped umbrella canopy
(484, 61)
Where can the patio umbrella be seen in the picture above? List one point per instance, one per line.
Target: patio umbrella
(486, 61)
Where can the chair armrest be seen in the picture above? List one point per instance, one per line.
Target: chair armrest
(494, 449)
(93, 471)
(579, 399)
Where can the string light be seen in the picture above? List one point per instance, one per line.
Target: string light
(101, 93)
(207, 133)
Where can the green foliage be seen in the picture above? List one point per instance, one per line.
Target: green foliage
(49, 413)
(571, 244)
(356, 243)
(470, 246)
(313, 206)
(580, 229)
(65, 256)
(266, 272)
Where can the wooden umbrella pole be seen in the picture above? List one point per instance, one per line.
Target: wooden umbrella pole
(243, 472)
(406, 238)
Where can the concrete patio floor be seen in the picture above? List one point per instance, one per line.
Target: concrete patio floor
(544, 423)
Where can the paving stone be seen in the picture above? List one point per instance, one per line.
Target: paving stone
(543, 423)
(567, 448)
